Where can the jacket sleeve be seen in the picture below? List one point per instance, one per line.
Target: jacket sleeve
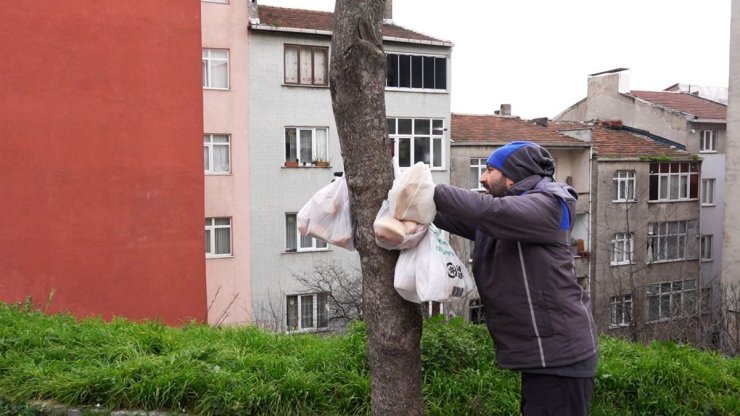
(533, 217)
(454, 225)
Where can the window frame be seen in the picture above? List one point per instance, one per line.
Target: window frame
(621, 310)
(681, 239)
(671, 295)
(629, 179)
(475, 308)
(208, 61)
(480, 167)
(685, 173)
(211, 230)
(707, 192)
(708, 141)
(317, 244)
(705, 247)
(209, 144)
(415, 57)
(412, 137)
(317, 323)
(313, 49)
(623, 239)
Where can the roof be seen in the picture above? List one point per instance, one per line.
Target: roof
(615, 142)
(299, 20)
(685, 103)
(491, 129)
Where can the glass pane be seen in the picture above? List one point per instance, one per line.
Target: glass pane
(416, 72)
(391, 125)
(421, 150)
(220, 158)
(663, 187)
(223, 240)
(306, 146)
(673, 185)
(428, 72)
(437, 127)
(208, 241)
(319, 67)
(684, 187)
(204, 73)
(292, 308)
(306, 66)
(222, 221)
(321, 243)
(665, 306)
(291, 146)
(404, 126)
(392, 61)
(219, 74)
(291, 232)
(440, 73)
(404, 152)
(474, 177)
(306, 241)
(404, 71)
(219, 138)
(421, 126)
(219, 53)
(291, 65)
(322, 315)
(652, 308)
(206, 158)
(322, 144)
(437, 153)
(307, 312)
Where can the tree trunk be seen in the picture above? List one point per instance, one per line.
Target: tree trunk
(358, 77)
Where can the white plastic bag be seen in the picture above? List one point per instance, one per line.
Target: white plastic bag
(412, 195)
(432, 271)
(392, 234)
(326, 215)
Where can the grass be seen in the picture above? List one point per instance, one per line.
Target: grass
(228, 371)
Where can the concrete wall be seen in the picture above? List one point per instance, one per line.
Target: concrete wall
(277, 190)
(224, 26)
(731, 258)
(101, 125)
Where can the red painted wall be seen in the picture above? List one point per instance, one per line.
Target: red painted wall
(101, 128)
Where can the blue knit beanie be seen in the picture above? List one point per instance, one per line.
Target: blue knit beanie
(522, 159)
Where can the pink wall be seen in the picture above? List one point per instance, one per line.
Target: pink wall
(102, 184)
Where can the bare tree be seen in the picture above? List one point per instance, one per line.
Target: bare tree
(358, 78)
(343, 291)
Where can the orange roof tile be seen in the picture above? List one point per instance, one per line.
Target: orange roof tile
(496, 129)
(686, 103)
(618, 143)
(280, 17)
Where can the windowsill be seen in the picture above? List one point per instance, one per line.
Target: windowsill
(285, 84)
(318, 250)
(306, 167)
(308, 331)
(624, 201)
(707, 260)
(708, 205)
(704, 152)
(422, 90)
(217, 256)
(622, 264)
(217, 173)
(617, 326)
(667, 261)
(215, 89)
(670, 201)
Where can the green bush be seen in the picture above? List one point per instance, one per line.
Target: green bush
(227, 371)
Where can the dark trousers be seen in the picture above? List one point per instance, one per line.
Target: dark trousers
(549, 395)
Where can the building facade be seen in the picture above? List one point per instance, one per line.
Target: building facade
(295, 151)
(100, 120)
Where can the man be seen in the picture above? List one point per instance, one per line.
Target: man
(537, 314)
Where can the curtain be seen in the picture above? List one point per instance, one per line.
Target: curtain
(306, 153)
(307, 311)
(292, 309)
(291, 65)
(291, 152)
(319, 67)
(291, 232)
(322, 144)
(306, 66)
(206, 158)
(223, 240)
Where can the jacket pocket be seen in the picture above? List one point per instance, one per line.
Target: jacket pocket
(542, 314)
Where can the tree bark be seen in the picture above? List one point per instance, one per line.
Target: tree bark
(357, 82)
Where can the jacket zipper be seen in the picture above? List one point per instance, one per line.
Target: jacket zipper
(531, 307)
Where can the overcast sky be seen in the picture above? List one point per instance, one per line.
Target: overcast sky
(536, 54)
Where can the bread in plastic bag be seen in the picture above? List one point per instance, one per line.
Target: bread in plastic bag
(393, 234)
(412, 195)
(327, 216)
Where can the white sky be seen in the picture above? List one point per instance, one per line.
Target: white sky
(536, 54)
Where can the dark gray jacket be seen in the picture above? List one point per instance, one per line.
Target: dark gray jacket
(536, 312)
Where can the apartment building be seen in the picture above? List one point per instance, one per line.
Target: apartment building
(474, 137)
(226, 160)
(295, 151)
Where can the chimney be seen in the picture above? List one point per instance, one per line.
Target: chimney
(388, 14)
(610, 82)
(505, 110)
(253, 11)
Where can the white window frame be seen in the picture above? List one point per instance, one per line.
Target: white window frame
(208, 64)
(301, 242)
(620, 311)
(208, 146)
(216, 1)
(708, 141)
(680, 179)
(672, 300)
(411, 56)
(313, 50)
(623, 249)
(624, 186)
(210, 231)
(477, 167)
(707, 191)
(705, 248)
(435, 136)
(661, 235)
(316, 324)
(316, 152)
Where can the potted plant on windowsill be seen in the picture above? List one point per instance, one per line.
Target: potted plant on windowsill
(321, 163)
(291, 164)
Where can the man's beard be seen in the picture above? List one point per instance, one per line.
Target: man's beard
(498, 188)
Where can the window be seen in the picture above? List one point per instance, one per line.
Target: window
(670, 300)
(416, 71)
(306, 144)
(306, 312)
(432, 308)
(706, 247)
(477, 167)
(620, 308)
(218, 237)
(477, 313)
(622, 248)
(707, 191)
(667, 240)
(216, 153)
(306, 65)
(708, 141)
(216, 69)
(297, 242)
(417, 140)
(624, 186)
(674, 181)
